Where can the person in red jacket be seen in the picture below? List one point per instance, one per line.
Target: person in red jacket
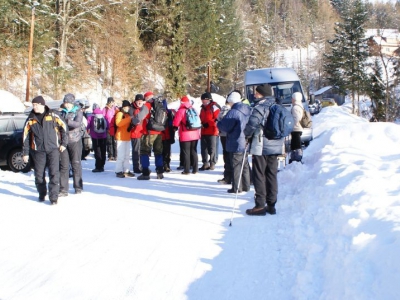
(209, 132)
(151, 140)
(188, 138)
(136, 133)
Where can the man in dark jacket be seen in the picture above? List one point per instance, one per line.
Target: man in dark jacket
(44, 137)
(73, 116)
(233, 125)
(265, 154)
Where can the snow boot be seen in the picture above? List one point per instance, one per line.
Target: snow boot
(145, 175)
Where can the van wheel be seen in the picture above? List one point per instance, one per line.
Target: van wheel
(16, 163)
(307, 143)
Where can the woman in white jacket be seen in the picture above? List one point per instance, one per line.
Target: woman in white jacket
(297, 113)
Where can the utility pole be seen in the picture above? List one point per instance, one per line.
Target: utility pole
(208, 77)
(28, 73)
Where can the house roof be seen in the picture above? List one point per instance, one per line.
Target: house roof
(323, 90)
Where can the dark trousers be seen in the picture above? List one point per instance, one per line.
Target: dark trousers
(189, 154)
(135, 143)
(71, 155)
(208, 148)
(265, 179)
(99, 149)
(236, 164)
(181, 156)
(166, 152)
(227, 161)
(296, 140)
(51, 159)
(111, 146)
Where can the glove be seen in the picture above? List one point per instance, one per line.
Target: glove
(248, 140)
(62, 148)
(25, 158)
(205, 125)
(175, 128)
(135, 121)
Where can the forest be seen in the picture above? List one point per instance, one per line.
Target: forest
(174, 46)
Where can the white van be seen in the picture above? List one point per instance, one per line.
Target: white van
(284, 82)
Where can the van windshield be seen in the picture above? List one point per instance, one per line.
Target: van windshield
(282, 91)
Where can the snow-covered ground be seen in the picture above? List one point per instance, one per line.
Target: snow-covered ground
(335, 236)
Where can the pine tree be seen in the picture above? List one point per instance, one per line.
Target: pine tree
(376, 91)
(345, 65)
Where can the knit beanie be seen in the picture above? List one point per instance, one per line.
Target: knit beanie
(125, 103)
(206, 96)
(148, 94)
(139, 97)
(297, 97)
(38, 100)
(265, 90)
(234, 97)
(69, 98)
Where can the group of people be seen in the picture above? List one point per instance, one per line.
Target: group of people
(54, 140)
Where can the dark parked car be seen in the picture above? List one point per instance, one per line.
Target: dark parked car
(11, 126)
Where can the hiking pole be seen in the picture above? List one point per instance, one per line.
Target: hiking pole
(238, 185)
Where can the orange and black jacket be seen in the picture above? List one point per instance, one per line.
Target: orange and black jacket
(49, 135)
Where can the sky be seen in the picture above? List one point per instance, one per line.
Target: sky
(336, 234)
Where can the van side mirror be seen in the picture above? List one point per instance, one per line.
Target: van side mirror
(312, 99)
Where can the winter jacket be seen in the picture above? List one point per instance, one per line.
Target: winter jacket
(137, 130)
(208, 116)
(169, 133)
(109, 114)
(233, 124)
(253, 131)
(74, 119)
(90, 127)
(50, 135)
(222, 113)
(122, 121)
(297, 113)
(143, 117)
(180, 122)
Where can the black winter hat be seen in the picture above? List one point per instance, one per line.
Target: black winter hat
(125, 103)
(206, 96)
(38, 100)
(265, 90)
(139, 97)
(110, 100)
(69, 98)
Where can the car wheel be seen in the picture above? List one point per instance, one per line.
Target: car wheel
(16, 163)
(307, 143)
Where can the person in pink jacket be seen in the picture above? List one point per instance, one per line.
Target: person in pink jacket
(188, 138)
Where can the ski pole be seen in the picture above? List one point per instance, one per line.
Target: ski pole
(238, 185)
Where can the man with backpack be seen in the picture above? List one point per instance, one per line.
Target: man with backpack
(265, 154)
(153, 117)
(98, 128)
(110, 110)
(209, 132)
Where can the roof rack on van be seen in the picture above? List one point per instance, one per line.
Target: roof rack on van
(10, 113)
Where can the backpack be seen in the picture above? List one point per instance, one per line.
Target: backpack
(158, 116)
(99, 123)
(192, 119)
(279, 123)
(306, 121)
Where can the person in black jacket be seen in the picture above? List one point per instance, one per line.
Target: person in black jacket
(73, 117)
(45, 137)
